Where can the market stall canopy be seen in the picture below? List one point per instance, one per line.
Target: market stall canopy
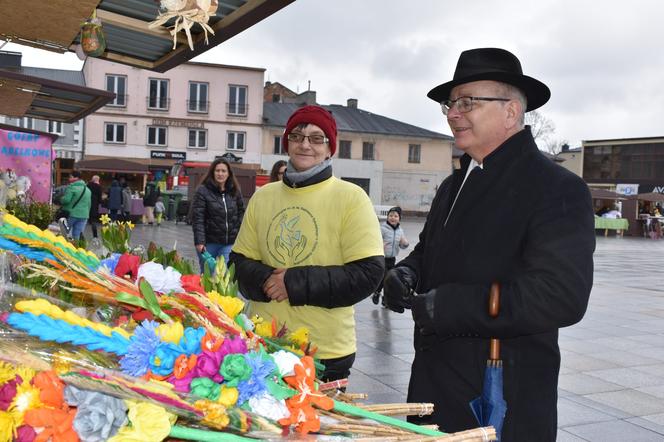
(602, 194)
(112, 165)
(55, 25)
(28, 96)
(652, 197)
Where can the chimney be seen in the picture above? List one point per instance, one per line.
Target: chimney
(10, 60)
(351, 103)
(565, 147)
(308, 97)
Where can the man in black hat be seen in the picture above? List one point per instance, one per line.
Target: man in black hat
(511, 216)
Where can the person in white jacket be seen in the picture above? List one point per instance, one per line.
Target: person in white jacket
(393, 240)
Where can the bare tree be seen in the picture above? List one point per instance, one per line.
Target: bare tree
(541, 127)
(555, 146)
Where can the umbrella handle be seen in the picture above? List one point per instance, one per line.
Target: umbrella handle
(494, 308)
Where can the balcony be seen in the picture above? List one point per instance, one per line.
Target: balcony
(198, 107)
(158, 103)
(237, 109)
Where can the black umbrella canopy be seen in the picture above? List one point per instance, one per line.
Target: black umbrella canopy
(602, 194)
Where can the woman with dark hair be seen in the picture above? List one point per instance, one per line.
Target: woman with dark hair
(217, 211)
(278, 171)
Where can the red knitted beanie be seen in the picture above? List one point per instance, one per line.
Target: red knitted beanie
(313, 115)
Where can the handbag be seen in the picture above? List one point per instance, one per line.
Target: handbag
(64, 213)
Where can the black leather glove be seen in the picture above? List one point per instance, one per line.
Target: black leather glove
(424, 309)
(398, 288)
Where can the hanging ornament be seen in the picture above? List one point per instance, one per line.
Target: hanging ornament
(93, 41)
(186, 14)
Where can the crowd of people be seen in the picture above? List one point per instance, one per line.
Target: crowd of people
(308, 247)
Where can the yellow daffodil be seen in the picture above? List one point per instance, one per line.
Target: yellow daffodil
(129, 225)
(171, 332)
(104, 219)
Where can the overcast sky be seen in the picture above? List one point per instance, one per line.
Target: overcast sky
(603, 60)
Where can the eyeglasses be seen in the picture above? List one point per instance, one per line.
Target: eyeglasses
(465, 104)
(313, 139)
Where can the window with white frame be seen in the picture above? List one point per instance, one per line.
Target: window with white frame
(278, 147)
(237, 100)
(158, 98)
(118, 85)
(27, 123)
(156, 136)
(55, 127)
(414, 153)
(115, 133)
(197, 139)
(367, 151)
(236, 140)
(198, 97)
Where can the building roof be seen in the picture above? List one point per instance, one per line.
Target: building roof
(64, 76)
(351, 120)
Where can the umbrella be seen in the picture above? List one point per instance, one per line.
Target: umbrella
(490, 407)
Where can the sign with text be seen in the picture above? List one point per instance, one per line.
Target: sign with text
(627, 189)
(165, 154)
(25, 163)
(178, 123)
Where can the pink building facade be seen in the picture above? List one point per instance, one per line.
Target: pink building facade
(195, 112)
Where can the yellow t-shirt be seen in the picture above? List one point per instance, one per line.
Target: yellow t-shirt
(328, 223)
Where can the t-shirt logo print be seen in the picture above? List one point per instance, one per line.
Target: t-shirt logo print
(292, 236)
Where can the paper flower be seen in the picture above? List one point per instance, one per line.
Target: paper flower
(149, 423)
(208, 364)
(230, 305)
(228, 396)
(51, 388)
(98, 416)
(111, 262)
(268, 406)
(262, 367)
(7, 372)
(163, 280)
(205, 388)
(285, 361)
(191, 341)
(8, 423)
(192, 283)
(128, 265)
(171, 332)
(7, 394)
(235, 369)
(55, 423)
(27, 398)
(24, 433)
(163, 359)
(142, 347)
(235, 345)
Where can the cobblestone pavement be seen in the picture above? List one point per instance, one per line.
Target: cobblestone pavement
(612, 375)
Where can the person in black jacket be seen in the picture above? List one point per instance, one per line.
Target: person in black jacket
(217, 211)
(95, 200)
(509, 216)
(310, 247)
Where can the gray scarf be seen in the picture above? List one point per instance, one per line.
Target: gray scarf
(296, 177)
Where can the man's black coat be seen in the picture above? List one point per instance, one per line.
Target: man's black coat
(527, 223)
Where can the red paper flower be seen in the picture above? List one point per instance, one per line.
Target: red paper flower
(128, 264)
(192, 283)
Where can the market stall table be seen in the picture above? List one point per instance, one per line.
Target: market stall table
(606, 224)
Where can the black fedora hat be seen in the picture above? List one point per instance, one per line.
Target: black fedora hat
(497, 65)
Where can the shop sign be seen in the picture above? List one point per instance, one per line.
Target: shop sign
(178, 123)
(627, 189)
(230, 157)
(168, 155)
(25, 164)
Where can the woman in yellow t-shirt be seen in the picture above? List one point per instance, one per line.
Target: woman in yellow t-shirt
(309, 247)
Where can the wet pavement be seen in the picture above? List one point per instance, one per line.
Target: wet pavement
(611, 384)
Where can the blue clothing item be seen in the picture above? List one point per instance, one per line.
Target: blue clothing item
(215, 250)
(76, 226)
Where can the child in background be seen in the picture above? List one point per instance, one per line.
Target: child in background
(393, 240)
(159, 210)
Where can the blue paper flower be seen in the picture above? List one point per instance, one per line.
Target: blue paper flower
(262, 367)
(191, 341)
(111, 262)
(142, 346)
(98, 416)
(163, 359)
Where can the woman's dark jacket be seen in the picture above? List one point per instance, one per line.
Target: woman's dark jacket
(95, 199)
(152, 192)
(527, 223)
(216, 215)
(322, 286)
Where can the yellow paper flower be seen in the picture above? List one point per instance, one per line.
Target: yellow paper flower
(228, 396)
(171, 332)
(264, 329)
(27, 398)
(8, 426)
(7, 373)
(26, 373)
(230, 305)
(149, 423)
(104, 219)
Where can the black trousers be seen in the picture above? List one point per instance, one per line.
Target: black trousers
(389, 264)
(337, 368)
